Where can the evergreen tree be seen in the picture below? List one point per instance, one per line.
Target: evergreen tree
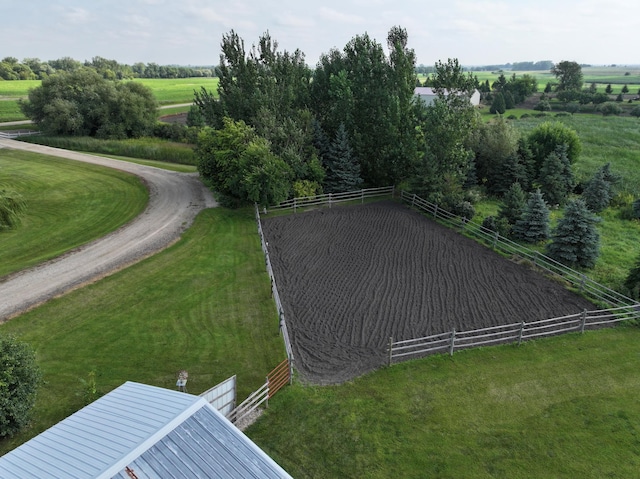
(575, 240)
(632, 283)
(597, 193)
(498, 105)
(533, 225)
(513, 204)
(556, 177)
(343, 170)
(608, 90)
(509, 101)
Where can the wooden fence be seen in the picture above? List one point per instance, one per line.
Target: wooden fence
(592, 290)
(334, 198)
(12, 134)
(622, 307)
(509, 333)
(275, 381)
(274, 292)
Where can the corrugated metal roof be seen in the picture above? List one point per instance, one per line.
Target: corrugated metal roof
(160, 432)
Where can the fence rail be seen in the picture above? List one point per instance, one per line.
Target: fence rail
(12, 134)
(275, 381)
(334, 198)
(275, 294)
(508, 333)
(594, 291)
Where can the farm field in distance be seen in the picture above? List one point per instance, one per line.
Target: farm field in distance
(167, 91)
(351, 277)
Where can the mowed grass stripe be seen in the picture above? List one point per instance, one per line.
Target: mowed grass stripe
(69, 203)
(563, 407)
(203, 305)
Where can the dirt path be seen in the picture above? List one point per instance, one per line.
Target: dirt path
(174, 201)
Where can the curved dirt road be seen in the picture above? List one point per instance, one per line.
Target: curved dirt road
(174, 201)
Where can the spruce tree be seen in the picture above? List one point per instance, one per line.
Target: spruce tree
(498, 105)
(575, 240)
(556, 177)
(342, 168)
(533, 225)
(597, 193)
(513, 204)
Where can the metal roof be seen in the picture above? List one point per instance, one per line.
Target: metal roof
(155, 432)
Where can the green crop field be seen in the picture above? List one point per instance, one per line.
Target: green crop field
(167, 92)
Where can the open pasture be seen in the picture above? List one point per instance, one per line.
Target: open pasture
(352, 277)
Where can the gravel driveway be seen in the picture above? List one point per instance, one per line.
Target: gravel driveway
(174, 201)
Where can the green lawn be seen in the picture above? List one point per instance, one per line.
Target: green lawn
(203, 305)
(69, 203)
(564, 407)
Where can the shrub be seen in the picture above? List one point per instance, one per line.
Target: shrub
(632, 283)
(499, 225)
(12, 205)
(635, 111)
(543, 105)
(498, 104)
(20, 377)
(597, 193)
(610, 109)
(636, 209)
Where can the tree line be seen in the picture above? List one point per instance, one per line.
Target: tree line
(36, 69)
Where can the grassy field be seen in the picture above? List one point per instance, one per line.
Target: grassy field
(167, 92)
(564, 407)
(203, 305)
(69, 203)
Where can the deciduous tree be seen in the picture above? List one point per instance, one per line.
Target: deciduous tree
(568, 74)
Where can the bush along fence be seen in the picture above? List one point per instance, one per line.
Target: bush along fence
(334, 198)
(622, 307)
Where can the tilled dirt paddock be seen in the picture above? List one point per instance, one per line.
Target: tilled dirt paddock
(351, 277)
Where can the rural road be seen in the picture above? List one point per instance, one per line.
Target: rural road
(174, 201)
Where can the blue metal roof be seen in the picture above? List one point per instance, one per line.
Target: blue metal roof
(155, 432)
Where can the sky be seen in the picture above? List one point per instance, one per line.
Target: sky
(189, 32)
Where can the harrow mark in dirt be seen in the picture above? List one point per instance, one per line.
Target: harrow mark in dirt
(351, 277)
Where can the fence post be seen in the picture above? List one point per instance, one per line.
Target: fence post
(362, 196)
(266, 403)
(390, 349)
(294, 205)
(582, 279)
(290, 370)
(453, 338)
(413, 201)
(393, 191)
(329, 200)
(535, 258)
(521, 333)
(584, 320)
(495, 239)
(435, 212)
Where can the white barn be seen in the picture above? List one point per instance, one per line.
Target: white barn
(141, 431)
(428, 95)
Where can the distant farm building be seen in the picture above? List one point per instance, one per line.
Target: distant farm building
(428, 95)
(140, 431)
